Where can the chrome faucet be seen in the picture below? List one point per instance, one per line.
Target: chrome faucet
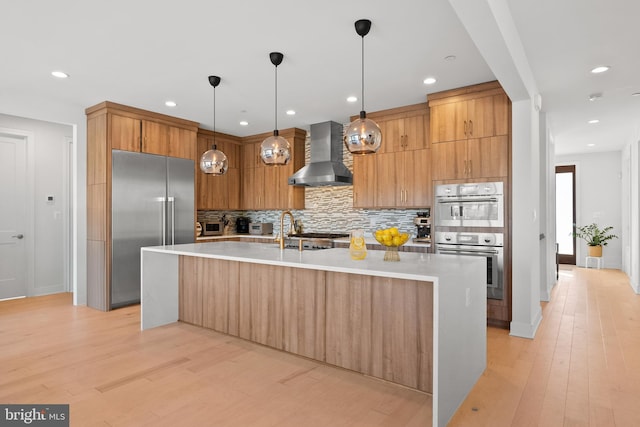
(291, 222)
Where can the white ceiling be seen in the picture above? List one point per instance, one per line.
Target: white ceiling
(143, 52)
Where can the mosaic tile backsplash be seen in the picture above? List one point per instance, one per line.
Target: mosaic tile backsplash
(327, 209)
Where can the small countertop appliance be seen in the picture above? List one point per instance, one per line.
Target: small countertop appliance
(242, 225)
(423, 225)
(261, 228)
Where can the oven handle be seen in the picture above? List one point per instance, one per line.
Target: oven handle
(469, 200)
(466, 251)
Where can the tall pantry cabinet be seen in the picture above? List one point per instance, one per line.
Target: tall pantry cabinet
(470, 133)
(113, 126)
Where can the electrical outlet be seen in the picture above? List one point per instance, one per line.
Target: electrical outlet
(468, 297)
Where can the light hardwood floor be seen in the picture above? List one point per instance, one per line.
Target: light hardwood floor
(582, 369)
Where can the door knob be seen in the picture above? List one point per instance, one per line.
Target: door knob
(18, 236)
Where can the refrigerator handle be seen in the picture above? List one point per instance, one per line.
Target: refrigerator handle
(163, 220)
(172, 201)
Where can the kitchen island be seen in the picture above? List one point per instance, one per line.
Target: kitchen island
(419, 322)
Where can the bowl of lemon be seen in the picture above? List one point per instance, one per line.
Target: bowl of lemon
(392, 239)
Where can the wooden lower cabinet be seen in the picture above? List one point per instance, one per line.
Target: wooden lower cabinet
(283, 307)
(381, 327)
(189, 291)
(378, 326)
(279, 307)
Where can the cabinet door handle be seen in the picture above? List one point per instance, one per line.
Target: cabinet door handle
(465, 128)
(470, 128)
(469, 167)
(464, 172)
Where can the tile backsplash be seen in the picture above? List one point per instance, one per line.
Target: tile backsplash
(327, 209)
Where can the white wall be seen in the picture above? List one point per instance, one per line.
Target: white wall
(43, 108)
(598, 199)
(49, 166)
(631, 211)
(547, 212)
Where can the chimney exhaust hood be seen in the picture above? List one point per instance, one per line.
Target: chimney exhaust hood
(325, 166)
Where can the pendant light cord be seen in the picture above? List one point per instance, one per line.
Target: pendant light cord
(276, 106)
(214, 116)
(362, 109)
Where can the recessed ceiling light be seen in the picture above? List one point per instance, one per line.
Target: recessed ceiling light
(635, 94)
(352, 99)
(59, 74)
(450, 58)
(291, 113)
(594, 121)
(600, 69)
(591, 145)
(170, 104)
(429, 81)
(595, 96)
(244, 123)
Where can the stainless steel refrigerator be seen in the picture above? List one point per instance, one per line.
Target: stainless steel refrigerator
(152, 204)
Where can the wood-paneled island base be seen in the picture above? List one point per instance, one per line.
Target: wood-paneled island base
(419, 322)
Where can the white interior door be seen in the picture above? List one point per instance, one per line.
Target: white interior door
(13, 213)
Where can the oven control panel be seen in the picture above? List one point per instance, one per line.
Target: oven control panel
(471, 239)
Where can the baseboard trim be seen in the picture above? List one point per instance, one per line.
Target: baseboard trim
(526, 330)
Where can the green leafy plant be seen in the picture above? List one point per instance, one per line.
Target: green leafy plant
(593, 235)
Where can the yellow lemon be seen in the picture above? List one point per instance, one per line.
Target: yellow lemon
(394, 231)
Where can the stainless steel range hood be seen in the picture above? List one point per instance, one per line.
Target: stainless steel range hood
(325, 166)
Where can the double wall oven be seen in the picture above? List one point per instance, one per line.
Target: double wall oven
(461, 209)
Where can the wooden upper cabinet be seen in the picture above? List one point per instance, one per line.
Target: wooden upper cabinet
(488, 157)
(403, 128)
(251, 155)
(267, 187)
(403, 179)
(472, 112)
(473, 158)
(155, 138)
(166, 140)
(131, 129)
(364, 181)
(124, 133)
(183, 143)
(218, 192)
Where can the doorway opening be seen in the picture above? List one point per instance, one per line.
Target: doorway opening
(566, 213)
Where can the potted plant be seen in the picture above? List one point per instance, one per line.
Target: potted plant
(595, 237)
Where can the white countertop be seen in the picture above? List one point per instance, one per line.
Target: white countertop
(412, 266)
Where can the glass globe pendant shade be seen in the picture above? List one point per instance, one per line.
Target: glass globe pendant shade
(214, 162)
(363, 136)
(275, 150)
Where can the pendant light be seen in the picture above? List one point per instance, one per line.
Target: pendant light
(275, 150)
(214, 161)
(363, 135)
